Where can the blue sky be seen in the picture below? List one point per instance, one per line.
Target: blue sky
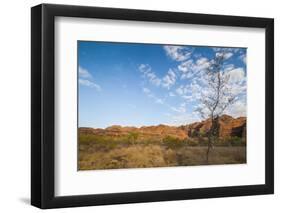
(147, 84)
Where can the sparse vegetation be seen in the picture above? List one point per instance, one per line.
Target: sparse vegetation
(133, 136)
(134, 151)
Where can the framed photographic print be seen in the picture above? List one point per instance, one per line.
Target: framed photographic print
(139, 106)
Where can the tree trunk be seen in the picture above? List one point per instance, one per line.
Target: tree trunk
(208, 150)
(210, 133)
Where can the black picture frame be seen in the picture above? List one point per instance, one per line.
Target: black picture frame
(43, 102)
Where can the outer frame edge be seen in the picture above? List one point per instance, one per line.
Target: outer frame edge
(36, 49)
(42, 195)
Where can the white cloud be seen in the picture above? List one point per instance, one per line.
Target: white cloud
(175, 109)
(226, 49)
(225, 55)
(197, 88)
(178, 53)
(169, 79)
(186, 66)
(236, 75)
(202, 61)
(191, 69)
(238, 109)
(86, 79)
(147, 72)
(226, 52)
(244, 58)
(234, 89)
(190, 92)
(228, 55)
(143, 67)
(153, 79)
(84, 73)
(180, 109)
(159, 101)
(171, 94)
(152, 96)
(228, 67)
(146, 90)
(202, 64)
(187, 97)
(88, 83)
(181, 90)
(194, 86)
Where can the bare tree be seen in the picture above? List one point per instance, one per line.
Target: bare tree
(215, 97)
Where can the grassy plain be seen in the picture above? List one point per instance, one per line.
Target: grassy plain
(106, 152)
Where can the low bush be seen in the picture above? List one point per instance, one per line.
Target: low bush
(173, 142)
(237, 141)
(192, 142)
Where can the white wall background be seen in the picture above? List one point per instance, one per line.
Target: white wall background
(15, 105)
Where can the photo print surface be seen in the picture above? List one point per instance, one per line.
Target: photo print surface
(156, 105)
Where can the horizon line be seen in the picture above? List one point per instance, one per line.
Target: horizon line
(131, 126)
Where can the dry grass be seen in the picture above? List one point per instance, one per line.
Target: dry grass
(115, 156)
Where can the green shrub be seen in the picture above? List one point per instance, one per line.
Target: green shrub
(132, 137)
(102, 142)
(173, 142)
(237, 141)
(192, 142)
(230, 141)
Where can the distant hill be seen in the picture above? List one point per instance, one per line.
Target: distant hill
(229, 127)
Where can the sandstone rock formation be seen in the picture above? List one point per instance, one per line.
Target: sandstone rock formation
(228, 127)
